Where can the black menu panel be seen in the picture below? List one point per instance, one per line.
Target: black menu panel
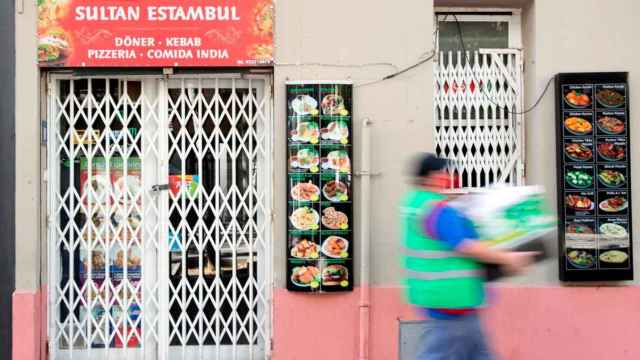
(320, 238)
(594, 177)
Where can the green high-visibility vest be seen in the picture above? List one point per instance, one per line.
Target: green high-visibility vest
(436, 276)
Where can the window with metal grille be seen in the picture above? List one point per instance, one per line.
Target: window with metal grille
(477, 99)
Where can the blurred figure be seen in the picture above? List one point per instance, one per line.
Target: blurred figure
(444, 267)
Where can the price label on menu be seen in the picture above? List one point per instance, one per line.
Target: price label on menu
(320, 246)
(594, 185)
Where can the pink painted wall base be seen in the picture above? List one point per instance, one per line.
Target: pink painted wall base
(29, 330)
(524, 323)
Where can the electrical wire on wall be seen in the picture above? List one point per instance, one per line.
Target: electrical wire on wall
(424, 58)
(486, 96)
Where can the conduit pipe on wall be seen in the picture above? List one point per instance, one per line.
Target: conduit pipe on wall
(365, 178)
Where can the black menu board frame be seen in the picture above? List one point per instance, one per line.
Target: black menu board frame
(595, 236)
(320, 228)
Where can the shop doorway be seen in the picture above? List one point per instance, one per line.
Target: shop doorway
(159, 220)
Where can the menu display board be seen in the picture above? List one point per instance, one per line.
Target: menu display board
(319, 187)
(594, 177)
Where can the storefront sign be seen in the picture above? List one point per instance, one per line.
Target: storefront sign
(155, 33)
(594, 177)
(320, 189)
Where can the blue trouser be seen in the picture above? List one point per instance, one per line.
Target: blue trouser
(460, 338)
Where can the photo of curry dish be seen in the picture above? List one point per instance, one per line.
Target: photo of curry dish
(577, 125)
(610, 98)
(611, 151)
(577, 99)
(611, 125)
(614, 257)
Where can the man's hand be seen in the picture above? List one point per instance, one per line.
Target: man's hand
(515, 262)
(512, 262)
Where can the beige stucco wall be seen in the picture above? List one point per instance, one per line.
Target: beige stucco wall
(27, 150)
(575, 36)
(341, 33)
(335, 39)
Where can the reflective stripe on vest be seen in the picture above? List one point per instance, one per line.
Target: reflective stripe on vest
(440, 275)
(431, 254)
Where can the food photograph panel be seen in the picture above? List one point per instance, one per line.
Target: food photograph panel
(577, 96)
(304, 159)
(581, 259)
(612, 149)
(336, 275)
(612, 176)
(580, 203)
(302, 100)
(579, 176)
(304, 275)
(613, 202)
(611, 123)
(336, 187)
(304, 246)
(578, 150)
(335, 159)
(578, 123)
(594, 181)
(304, 188)
(319, 187)
(610, 96)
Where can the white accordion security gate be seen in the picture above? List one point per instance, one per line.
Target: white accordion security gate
(477, 116)
(159, 223)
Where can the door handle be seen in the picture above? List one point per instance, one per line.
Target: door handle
(160, 187)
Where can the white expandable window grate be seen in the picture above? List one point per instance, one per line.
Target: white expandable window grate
(159, 203)
(478, 98)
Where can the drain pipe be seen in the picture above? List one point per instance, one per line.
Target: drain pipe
(365, 292)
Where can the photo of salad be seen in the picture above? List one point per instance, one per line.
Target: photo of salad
(336, 131)
(611, 178)
(579, 179)
(580, 259)
(306, 132)
(305, 275)
(577, 99)
(610, 98)
(305, 159)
